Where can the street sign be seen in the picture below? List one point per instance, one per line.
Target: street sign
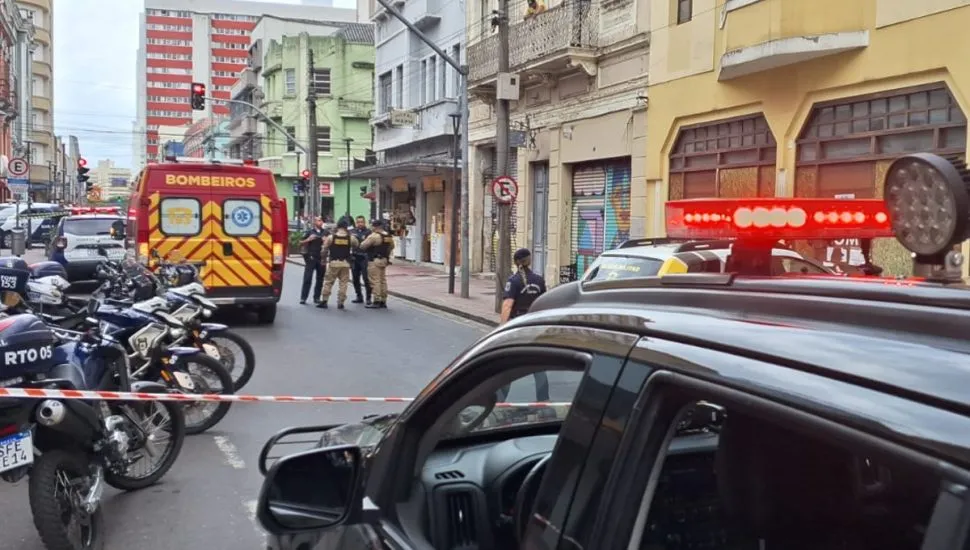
(326, 188)
(505, 189)
(18, 186)
(18, 167)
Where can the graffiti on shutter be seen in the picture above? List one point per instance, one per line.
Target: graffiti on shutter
(617, 205)
(587, 231)
(492, 173)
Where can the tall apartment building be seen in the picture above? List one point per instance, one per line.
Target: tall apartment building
(41, 137)
(207, 41)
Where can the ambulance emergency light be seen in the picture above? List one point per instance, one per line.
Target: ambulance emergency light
(777, 218)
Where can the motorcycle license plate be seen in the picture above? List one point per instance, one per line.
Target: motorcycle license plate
(212, 351)
(16, 450)
(184, 380)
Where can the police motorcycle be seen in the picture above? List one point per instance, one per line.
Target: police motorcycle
(149, 346)
(70, 449)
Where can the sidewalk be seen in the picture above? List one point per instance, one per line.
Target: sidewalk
(428, 286)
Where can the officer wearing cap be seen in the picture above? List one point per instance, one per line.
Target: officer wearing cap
(314, 263)
(358, 269)
(340, 247)
(379, 246)
(522, 288)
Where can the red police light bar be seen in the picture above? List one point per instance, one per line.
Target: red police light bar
(305, 174)
(777, 218)
(76, 210)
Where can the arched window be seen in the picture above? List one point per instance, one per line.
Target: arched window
(847, 144)
(729, 158)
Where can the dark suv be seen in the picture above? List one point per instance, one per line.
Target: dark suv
(733, 410)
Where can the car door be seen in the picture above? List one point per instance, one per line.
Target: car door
(725, 451)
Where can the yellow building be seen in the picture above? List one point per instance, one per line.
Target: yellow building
(808, 98)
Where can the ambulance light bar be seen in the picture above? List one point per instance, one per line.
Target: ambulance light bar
(76, 210)
(777, 218)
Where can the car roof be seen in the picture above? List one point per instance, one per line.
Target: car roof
(94, 217)
(905, 337)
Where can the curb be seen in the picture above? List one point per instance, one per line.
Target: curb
(433, 305)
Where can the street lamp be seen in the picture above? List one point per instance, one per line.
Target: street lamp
(455, 201)
(348, 141)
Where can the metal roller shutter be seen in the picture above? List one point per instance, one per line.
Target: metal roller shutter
(589, 192)
(513, 222)
(616, 208)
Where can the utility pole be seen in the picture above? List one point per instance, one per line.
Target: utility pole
(348, 141)
(463, 71)
(502, 150)
(311, 99)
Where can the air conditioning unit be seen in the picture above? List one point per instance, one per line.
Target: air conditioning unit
(507, 86)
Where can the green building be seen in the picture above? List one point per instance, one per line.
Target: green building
(343, 79)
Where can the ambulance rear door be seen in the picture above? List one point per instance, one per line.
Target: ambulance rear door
(242, 253)
(180, 216)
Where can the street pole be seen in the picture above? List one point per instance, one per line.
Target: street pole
(348, 141)
(465, 186)
(455, 199)
(502, 150)
(463, 98)
(311, 99)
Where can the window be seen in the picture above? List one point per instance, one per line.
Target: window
(291, 130)
(321, 81)
(432, 79)
(442, 79)
(684, 9)
(423, 88)
(290, 81)
(607, 268)
(242, 217)
(180, 217)
(384, 90)
(323, 139)
(704, 156)
(781, 266)
(88, 227)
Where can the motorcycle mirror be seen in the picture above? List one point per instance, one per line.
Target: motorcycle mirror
(102, 251)
(118, 230)
(169, 319)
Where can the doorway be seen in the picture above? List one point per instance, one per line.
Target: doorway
(540, 215)
(326, 209)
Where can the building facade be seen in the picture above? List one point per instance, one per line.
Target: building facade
(781, 98)
(16, 41)
(414, 126)
(579, 130)
(41, 140)
(207, 138)
(342, 80)
(112, 182)
(186, 41)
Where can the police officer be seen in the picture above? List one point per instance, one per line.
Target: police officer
(313, 260)
(358, 269)
(339, 247)
(379, 246)
(521, 290)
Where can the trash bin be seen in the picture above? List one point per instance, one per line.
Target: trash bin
(18, 241)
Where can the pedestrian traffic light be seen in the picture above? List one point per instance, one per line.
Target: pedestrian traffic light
(82, 173)
(198, 96)
(363, 190)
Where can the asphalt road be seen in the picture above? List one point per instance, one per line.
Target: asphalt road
(208, 498)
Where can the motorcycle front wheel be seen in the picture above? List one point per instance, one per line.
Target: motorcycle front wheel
(208, 376)
(57, 480)
(236, 355)
(157, 432)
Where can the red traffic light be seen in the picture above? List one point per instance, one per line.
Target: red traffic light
(305, 174)
(82, 162)
(198, 88)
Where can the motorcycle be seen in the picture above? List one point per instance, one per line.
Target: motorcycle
(71, 448)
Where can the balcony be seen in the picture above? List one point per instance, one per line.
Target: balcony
(555, 41)
(355, 109)
(241, 127)
(761, 35)
(424, 13)
(247, 81)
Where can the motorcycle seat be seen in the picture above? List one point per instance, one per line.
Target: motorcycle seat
(71, 373)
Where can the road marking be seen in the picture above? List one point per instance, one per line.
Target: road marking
(230, 452)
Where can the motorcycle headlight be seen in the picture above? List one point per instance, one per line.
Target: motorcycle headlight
(207, 313)
(178, 333)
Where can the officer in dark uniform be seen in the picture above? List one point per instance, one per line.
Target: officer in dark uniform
(314, 263)
(358, 268)
(521, 290)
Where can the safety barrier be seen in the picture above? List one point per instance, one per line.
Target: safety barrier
(37, 393)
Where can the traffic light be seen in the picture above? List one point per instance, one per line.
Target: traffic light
(363, 190)
(304, 183)
(82, 174)
(198, 96)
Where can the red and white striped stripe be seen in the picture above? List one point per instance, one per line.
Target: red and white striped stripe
(36, 393)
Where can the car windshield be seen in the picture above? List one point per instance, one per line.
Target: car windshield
(521, 403)
(89, 227)
(623, 267)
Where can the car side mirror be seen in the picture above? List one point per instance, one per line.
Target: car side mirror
(118, 230)
(312, 490)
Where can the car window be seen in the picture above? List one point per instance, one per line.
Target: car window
(623, 267)
(781, 265)
(739, 477)
(242, 217)
(88, 227)
(528, 394)
(180, 216)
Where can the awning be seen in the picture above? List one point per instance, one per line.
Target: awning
(411, 167)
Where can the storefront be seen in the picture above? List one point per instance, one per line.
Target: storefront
(601, 209)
